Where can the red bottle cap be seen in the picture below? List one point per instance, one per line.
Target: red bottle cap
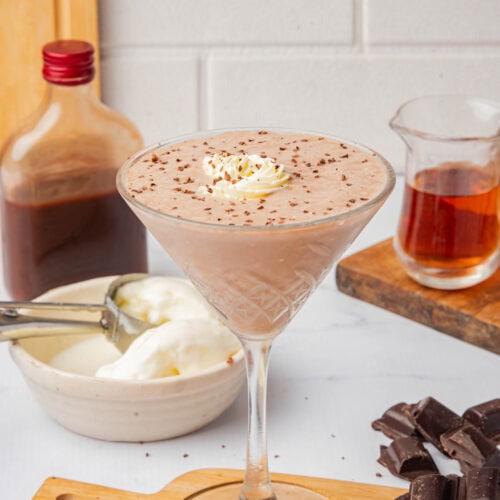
(68, 62)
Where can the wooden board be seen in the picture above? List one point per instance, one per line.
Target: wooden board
(473, 314)
(188, 485)
(26, 26)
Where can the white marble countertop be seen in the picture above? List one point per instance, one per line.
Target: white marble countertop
(337, 367)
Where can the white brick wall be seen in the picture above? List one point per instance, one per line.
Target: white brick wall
(415, 22)
(228, 22)
(338, 66)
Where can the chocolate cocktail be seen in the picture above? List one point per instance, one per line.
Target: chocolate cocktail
(256, 219)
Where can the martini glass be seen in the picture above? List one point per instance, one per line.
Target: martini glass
(256, 278)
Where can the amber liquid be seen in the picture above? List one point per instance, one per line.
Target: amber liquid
(450, 216)
(54, 243)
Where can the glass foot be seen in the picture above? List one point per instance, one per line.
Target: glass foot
(283, 491)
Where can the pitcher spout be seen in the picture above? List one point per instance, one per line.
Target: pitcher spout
(398, 125)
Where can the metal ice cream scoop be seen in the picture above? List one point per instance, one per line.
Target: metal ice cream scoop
(118, 326)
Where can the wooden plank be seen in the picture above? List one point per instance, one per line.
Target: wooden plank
(26, 26)
(375, 276)
(78, 19)
(188, 485)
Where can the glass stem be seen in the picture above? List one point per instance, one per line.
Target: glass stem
(257, 484)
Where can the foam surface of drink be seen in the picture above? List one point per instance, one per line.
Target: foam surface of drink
(327, 178)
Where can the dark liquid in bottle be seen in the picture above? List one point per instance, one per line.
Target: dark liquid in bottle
(48, 244)
(450, 216)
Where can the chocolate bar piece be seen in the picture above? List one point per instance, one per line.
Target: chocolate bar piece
(394, 423)
(483, 484)
(477, 484)
(435, 487)
(407, 458)
(470, 447)
(431, 419)
(486, 417)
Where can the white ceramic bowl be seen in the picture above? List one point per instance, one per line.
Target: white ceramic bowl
(121, 410)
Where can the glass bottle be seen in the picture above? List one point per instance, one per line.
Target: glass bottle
(62, 219)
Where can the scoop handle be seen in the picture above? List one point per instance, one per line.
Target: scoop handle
(14, 306)
(15, 325)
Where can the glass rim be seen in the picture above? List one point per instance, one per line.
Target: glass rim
(381, 196)
(443, 138)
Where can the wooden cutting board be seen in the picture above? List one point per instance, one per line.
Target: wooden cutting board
(26, 26)
(473, 314)
(187, 486)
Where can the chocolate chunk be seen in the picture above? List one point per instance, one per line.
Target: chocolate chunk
(478, 484)
(432, 419)
(394, 422)
(407, 458)
(470, 447)
(434, 487)
(483, 484)
(486, 417)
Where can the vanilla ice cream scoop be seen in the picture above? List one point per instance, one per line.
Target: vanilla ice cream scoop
(159, 299)
(189, 338)
(173, 348)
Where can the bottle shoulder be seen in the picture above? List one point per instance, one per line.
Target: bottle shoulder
(94, 131)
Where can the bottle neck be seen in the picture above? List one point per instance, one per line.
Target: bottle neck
(71, 95)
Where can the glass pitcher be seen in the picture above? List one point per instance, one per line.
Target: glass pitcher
(448, 233)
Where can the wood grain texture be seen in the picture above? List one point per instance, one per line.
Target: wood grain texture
(26, 26)
(186, 486)
(375, 276)
(78, 19)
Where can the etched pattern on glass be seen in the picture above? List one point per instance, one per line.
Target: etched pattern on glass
(248, 296)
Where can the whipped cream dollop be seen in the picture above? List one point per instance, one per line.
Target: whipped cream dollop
(243, 176)
(189, 337)
(159, 299)
(174, 348)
